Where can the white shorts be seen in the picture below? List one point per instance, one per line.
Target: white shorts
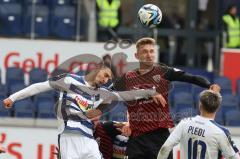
(77, 146)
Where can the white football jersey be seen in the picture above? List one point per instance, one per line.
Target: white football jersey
(200, 138)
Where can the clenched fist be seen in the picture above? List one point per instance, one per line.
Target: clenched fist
(8, 103)
(215, 88)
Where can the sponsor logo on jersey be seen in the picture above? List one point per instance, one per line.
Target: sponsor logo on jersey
(83, 104)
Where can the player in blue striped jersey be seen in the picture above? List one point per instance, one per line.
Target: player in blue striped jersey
(78, 96)
(200, 137)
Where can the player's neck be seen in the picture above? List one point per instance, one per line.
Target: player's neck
(144, 68)
(89, 80)
(208, 115)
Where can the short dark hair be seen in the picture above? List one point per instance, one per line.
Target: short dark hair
(210, 101)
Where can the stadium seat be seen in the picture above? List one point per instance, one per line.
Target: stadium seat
(238, 86)
(233, 118)
(54, 3)
(183, 98)
(45, 109)
(14, 75)
(9, 1)
(3, 90)
(33, 1)
(63, 22)
(224, 82)
(228, 107)
(24, 109)
(178, 87)
(13, 88)
(229, 99)
(196, 90)
(219, 118)
(44, 97)
(11, 19)
(3, 111)
(37, 75)
(41, 21)
(201, 72)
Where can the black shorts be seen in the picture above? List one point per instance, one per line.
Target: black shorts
(147, 145)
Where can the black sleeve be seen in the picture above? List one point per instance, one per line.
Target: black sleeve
(119, 84)
(173, 74)
(110, 129)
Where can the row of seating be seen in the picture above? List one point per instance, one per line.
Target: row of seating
(59, 22)
(50, 3)
(182, 96)
(39, 106)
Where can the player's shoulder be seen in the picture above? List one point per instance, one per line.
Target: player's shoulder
(161, 67)
(220, 129)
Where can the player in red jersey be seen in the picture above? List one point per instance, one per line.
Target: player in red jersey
(149, 119)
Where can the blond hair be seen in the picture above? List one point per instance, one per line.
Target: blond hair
(144, 41)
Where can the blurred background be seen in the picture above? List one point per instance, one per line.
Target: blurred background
(201, 37)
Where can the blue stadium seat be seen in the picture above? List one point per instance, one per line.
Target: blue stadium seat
(228, 107)
(41, 21)
(14, 75)
(196, 90)
(24, 109)
(45, 109)
(54, 3)
(229, 99)
(201, 72)
(177, 87)
(44, 97)
(3, 111)
(219, 118)
(9, 1)
(63, 22)
(37, 75)
(181, 87)
(13, 88)
(11, 19)
(33, 1)
(238, 86)
(233, 118)
(183, 98)
(225, 83)
(3, 90)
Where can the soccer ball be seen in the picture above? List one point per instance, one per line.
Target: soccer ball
(150, 15)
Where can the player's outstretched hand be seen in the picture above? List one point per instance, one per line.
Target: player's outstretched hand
(215, 88)
(7, 103)
(159, 99)
(2, 150)
(124, 128)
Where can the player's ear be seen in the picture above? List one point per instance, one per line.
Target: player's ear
(136, 55)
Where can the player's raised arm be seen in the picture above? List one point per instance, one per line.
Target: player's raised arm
(227, 146)
(27, 92)
(59, 82)
(172, 140)
(173, 74)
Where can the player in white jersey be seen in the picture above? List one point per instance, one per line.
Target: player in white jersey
(78, 96)
(201, 137)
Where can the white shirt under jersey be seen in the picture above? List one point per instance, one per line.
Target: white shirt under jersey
(200, 138)
(77, 97)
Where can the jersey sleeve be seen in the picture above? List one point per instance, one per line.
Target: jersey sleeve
(174, 74)
(31, 90)
(172, 140)
(227, 146)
